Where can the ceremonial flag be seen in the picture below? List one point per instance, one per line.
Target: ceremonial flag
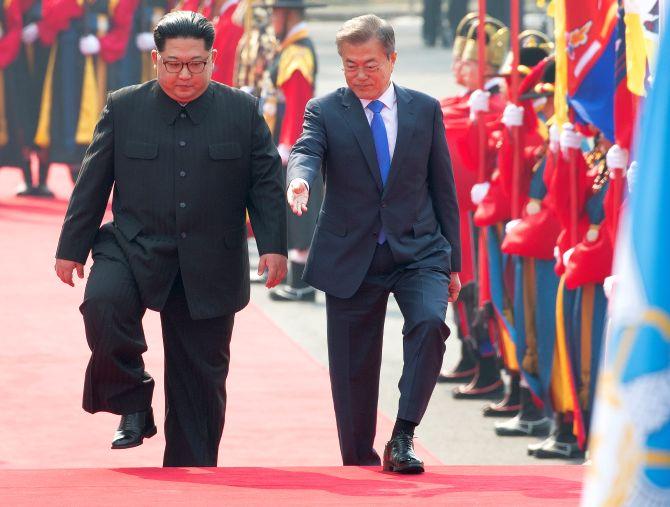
(625, 101)
(590, 31)
(630, 441)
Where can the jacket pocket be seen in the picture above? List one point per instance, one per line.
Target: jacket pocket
(330, 224)
(128, 226)
(225, 151)
(425, 226)
(233, 238)
(136, 149)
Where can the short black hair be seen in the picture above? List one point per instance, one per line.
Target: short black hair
(183, 24)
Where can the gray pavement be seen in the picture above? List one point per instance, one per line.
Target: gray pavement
(453, 430)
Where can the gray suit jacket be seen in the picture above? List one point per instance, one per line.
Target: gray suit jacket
(183, 179)
(417, 206)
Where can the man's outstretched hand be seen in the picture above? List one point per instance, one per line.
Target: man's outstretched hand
(64, 269)
(276, 266)
(297, 196)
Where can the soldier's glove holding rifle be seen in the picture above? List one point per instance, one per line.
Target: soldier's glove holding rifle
(297, 196)
(89, 45)
(478, 102)
(617, 157)
(478, 192)
(570, 139)
(145, 41)
(512, 116)
(30, 33)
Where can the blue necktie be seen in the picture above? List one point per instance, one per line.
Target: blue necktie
(381, 147)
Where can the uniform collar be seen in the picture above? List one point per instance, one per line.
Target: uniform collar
(298, 32)
(196, 109)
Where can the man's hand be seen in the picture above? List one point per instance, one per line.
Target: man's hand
(297, 196)
(276, 266)
(454, 287)
(64, 269)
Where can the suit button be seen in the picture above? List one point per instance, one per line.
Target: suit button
(183, 235)
(384, 205)
(182, 143)
(182, 204)
(182, 173)
(182, 115)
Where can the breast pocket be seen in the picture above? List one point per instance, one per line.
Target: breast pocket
(225, 151)
(139, 150)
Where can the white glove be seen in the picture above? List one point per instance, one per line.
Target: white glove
(512, 116)
(145, 41)
(478, 102)
(617, 157)
(570, 139)
(567, 255)
(30, 33)
(511, 225)
(608, 286)
(297, 196)
(479, 191)
(554, 138)
(89, 45)
(631, 175)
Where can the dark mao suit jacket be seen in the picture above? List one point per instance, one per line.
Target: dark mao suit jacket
(417, 206)
(183, 179)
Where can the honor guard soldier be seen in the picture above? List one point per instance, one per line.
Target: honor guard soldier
(95, 34)
(293, 74)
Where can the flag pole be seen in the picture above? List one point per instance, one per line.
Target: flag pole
(481, 69)
(514, 97)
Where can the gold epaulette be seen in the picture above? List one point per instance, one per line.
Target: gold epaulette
(295, 58)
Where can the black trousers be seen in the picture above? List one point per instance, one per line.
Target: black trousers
(355, 334)
(197, 356)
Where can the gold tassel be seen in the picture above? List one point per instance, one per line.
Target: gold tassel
(89, 109)
(43, 133)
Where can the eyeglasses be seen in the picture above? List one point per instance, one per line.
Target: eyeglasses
(194, 66)
(368, 69)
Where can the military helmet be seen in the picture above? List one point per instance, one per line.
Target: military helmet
(461, 35)
(534, 46)
(497, 42)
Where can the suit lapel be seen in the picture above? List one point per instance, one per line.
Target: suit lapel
(355, 117)
(406, 124)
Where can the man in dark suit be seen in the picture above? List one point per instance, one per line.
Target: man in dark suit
(186, 158)
(389, 223)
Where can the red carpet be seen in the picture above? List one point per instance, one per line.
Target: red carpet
(279, 414)
(279, 410)
(462, 486)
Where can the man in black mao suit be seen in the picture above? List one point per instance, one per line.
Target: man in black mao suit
(389, 223)
(186, 157)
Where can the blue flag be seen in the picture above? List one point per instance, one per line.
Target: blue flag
(630, 441)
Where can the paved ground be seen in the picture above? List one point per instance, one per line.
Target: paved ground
(453, 430)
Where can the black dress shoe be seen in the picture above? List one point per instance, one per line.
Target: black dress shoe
(133, 429)
(399, 455)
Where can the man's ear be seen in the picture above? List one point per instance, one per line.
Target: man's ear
(154, 56)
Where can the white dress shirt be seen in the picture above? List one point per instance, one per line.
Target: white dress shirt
(389, 115)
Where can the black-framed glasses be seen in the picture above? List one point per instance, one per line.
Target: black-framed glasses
(175, 66)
